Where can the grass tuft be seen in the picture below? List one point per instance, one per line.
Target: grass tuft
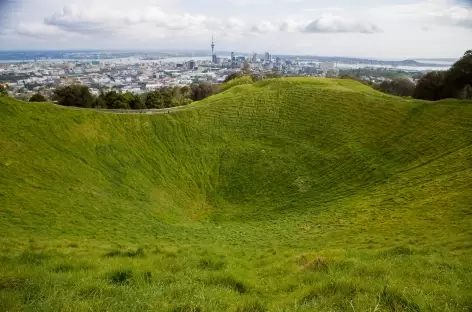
(394, 301)
(90, 292)
(120, 277)
(63, 267)
(399, 251)
(187, 308)
(13, 282)
(228, 281)
(339, 291)
(319, 263)
(252, 306)
(127, 254)
(211, 264)
(33, 257)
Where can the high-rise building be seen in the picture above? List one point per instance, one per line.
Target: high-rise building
(233, 60)
(191, 64)
(267, 57)
(254, 58)
(214, 59)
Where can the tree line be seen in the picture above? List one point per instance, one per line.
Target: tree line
(165, 97)
(436, 85)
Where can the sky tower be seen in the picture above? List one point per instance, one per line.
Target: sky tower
(212, 50)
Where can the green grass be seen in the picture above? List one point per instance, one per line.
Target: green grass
(246, 79)
(283, 195)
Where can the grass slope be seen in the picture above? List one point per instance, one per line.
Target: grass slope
(283, 195)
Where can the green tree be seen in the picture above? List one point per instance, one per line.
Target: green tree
(3, 90)
(135, 102)
(431, 86)
(233, 76)
(256, 77)
(186, 92)
(74, 95)
(167, 98)
(116, 100)
(131, 100)
(202, 90)
(458, 76)
(246, 67)
(37, 97)
(100, 102)
(398, 86)
(186, 102)
(449, 84)
(154, 100)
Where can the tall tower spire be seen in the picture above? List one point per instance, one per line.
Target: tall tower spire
(212, 48)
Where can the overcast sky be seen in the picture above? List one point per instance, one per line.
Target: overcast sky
(391, 29)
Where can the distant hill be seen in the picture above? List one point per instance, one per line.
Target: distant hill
(294, 194)
(432, 60)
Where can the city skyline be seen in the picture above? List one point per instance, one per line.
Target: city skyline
(381, 30)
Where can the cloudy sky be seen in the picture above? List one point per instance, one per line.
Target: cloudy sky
(391, 29)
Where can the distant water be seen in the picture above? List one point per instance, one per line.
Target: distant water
(438, 65)
(439, 62)
(130, 60)
(182, 59)
(342, 65)
(407, 68)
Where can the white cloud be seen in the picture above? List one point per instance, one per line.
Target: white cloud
(336, 24)
(263, 27)
(329, 23)
(459, 16)
(99, 21)
(36, 30)
(289, 26)
(446, 12)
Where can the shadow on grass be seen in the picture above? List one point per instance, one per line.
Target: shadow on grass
(340, 292)
(187, 308)
(228, 281)
(211, 264)
(63, 268)
(251, 306)
(13, 282)
(128, 253)
(398, 251)
(120, 277)
(33, 257)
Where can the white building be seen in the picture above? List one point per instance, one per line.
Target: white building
(327, 66)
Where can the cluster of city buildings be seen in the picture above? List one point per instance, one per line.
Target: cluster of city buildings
(139, 75)
(136, 76)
